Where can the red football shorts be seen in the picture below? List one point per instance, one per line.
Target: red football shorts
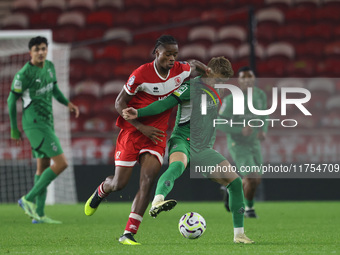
(132, 144)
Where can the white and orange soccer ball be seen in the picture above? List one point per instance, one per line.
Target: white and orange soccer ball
(192, 225)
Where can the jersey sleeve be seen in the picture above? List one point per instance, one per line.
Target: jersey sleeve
(157, 107)
(59, 95)
(54, 73)
(182, 93)
(132, 85)
(19, 84)
(185, 67)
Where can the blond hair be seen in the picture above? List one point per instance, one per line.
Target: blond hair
(221, 65)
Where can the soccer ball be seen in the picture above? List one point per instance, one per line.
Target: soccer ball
(192, 225)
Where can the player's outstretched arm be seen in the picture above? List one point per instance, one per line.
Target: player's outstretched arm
(12, 109)
(62, 99)
(199, 67)
(153, 133)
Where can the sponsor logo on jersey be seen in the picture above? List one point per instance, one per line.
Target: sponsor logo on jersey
(155, 89)
(46, 89)
(17, 86)
(37, 80)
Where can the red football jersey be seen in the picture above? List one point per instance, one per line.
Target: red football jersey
(147, 86)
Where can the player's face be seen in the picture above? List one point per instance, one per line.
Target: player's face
(166, 55)
(246, 79)
(38, 54)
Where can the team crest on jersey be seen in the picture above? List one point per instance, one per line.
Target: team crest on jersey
(181, 90)
(131, 81)
(178, 81)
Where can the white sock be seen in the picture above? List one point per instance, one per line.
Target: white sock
(157, 198)
(249, 208)
(238, 231)
(127, 232)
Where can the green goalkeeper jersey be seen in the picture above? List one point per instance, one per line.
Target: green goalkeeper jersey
(190, 123)
(35, 86)
(234, 133)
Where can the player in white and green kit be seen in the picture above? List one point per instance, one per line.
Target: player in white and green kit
(36, 85)
(192, 140)
(244, 143)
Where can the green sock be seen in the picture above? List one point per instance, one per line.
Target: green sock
(40, 198)
(249, 203)
(45, 179)
(236, 201)
(167, 179)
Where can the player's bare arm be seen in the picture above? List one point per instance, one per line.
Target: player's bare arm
(130, 113)
(199, 67)
(153, 133)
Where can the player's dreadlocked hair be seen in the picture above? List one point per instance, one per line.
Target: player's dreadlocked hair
(221, 65)
(164, 39)
(37, 41)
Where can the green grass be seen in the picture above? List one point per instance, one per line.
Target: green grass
(283, 228)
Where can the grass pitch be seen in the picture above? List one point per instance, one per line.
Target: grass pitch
(282, 228)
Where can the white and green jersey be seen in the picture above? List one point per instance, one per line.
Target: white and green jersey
(36, 86)
(190, 125)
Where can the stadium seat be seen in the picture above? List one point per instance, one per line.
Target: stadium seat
(280, 50)
(272, 68)
(15, 21)
(84, 54)
(306, 50)
(44, 19)
(99, 123)
(301, 68)
(112, 87)
(123, 71)
(52, 5)
(26, 7)
(328, 68)
(266, 34)
(331, 3)
(78, 69)
(168, 4)
(299, 16)
(332, 50)
(85, 103)
(222, 49)
(291, 33)
(106, 105)
(321, 85)
(130, 19)
(193, 51)
(307, 3)
(77, 123)
(90, 32)
(137, 53)
(137, 5)
(205, 35)
(321, 31)
(82, 6)
(243, 52)
(156, 16)
(328, 14)
(121, 35)
(238, 18)
(279, 4)
(87, 87)
(102, 70)
(202, 4)
(235, 35)
(110, 5)
(147, 37)
(109, 52)
(65, 34)
(270, 15)
(74, 19)
(180, 34)
(100, 18)
(189, 13)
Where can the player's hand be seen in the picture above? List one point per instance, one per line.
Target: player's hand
(129, 113)
(73, 108)
(246, 131)
(16, 136)
(153, 133)
(261, 136)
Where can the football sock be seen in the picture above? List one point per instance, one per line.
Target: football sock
(249, 203)
(157, 198)
(45, 179)
(40, 198)
(101, 193)
(236, 202)
(133, 223)
(167, 179)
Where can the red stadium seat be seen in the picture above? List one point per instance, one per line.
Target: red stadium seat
(101, 18)
(110, 5)
(100, 123)
(187, 14)
(301, 68)
(45, 19)
(270, 15)
(332, 50)
(308, 3)
(128, 19)
(106, 105)
(328, 68)
(78, 69)
(65, 34)
(53, 6)
(321, 31)
(26, 7)
(328, 14)
(123, 71)
(82, 54)
(85, 103)
(169, 4)
(137, 4)
(299, 16)
(137, 53)
(307, 49)
(103, 70)
(118, 35)
(279, 4)
(87, 87)
(112, 87)
(331, 3)
(109, 52)
(236, 35)
(266, 33)
(290, 33)
(90, 32)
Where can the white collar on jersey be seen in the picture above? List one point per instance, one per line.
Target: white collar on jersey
(154, 66)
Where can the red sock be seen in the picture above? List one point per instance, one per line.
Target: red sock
(101, 192)
(133, 223)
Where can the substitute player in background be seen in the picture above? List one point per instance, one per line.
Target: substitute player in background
(36, 84)
(192, 141)
(143, 140)
(244, 143)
